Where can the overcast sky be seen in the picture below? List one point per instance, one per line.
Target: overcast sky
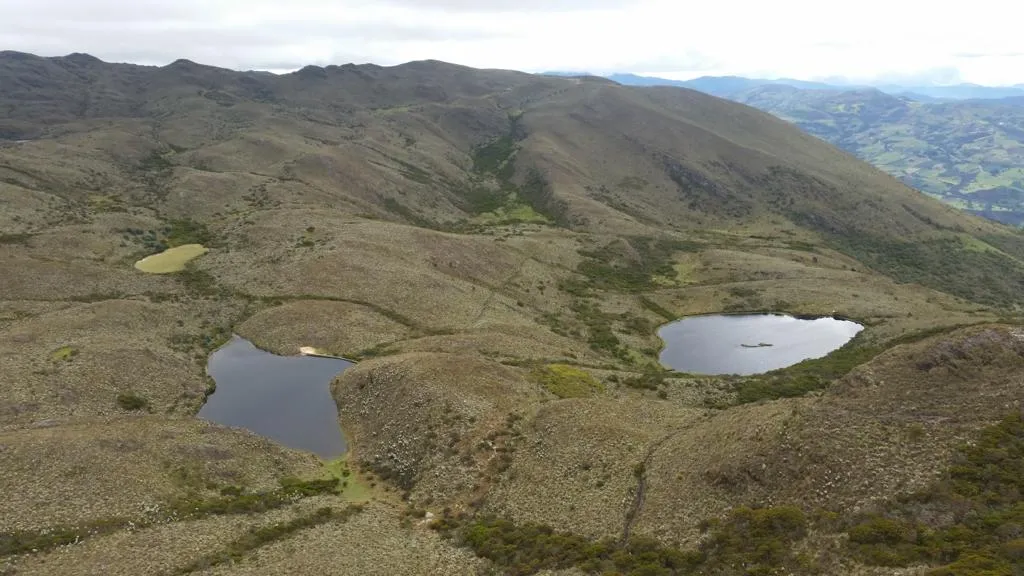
(905, 40)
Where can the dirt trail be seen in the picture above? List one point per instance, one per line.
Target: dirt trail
(633, 514)
(494, 292)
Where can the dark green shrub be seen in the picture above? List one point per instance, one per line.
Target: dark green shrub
(755, 540)
(980, 533)
(132, 402)
(187, 231)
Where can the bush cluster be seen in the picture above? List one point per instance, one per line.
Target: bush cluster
(980, 528)
(748, 541)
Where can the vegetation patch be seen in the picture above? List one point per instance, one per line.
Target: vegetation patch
(22, 542)
(171, 260)
(352, 488)
(537, 192)
(971, 521)
(817, 373)
(512, 213)
(263, 535)
(479, 199)
(949, 264)
(415, 218)
(132, 402)
(646, 381)
(529, 548)
(178, 232)
(20, 238)
(497, 156)
(756, 541)
(600, 335)
(64, 354)
(567, 381)
(186, 231)
(198, 281)
(658, 309)
(532, 201)
(633, 264)
(748, 541)
(806, 376)
(235, 500)
(202, 344)
(232, 500)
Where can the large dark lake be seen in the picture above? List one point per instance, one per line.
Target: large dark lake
(285, 398)
(749, 344)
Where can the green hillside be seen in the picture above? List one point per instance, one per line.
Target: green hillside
(967, 153)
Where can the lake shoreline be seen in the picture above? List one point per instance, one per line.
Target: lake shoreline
(720, 344)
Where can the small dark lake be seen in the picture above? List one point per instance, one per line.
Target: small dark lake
(285, 398)
(749, 344)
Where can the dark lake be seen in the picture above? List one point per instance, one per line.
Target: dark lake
(285, 398)
(727, 344)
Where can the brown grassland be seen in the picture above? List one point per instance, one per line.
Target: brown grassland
(496, 249)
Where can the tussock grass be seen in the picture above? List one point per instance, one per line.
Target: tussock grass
(64, 354)
(817, 373)
(979, 530)
(567, 381)
(747, 541)
(131, 402)
(232, 501)
(264, 535)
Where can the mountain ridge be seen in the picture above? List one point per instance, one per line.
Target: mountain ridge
(723, 86)
(496, 251)
(963, 151)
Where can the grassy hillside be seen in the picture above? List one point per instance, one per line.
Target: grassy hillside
(962, 144)
(966, 153)
(497, 250)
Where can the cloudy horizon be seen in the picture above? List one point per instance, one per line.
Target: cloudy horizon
(909, 42)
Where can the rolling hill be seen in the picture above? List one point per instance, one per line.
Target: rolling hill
(963, 145)
(473, 238)
(724, 86)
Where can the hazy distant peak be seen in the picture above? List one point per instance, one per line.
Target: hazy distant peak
(311, 72)
(20, 56)
(83, 59)
(183, 63)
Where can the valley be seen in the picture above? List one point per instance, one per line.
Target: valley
(961, 144)
(495, 251)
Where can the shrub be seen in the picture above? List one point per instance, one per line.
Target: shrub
(981, 534)
(567, 381)
(187, 231)
(20, 238)
(658, 309)
(197, 280)
(755, 540)
(649, 381)
(976, 565)
(262, 535)
(132, 402)
(529, 548)
(631, 265)
(64, 354)
(749, 541)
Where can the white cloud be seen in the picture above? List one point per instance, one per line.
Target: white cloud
(797, 38)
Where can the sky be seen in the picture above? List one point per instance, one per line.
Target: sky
(904, 41)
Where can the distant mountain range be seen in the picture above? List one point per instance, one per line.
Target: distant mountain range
(965, 150)
(727, 86)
